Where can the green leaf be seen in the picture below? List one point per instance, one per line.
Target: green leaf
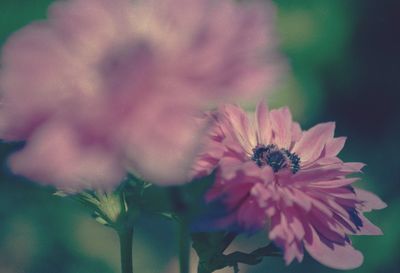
(210, 248)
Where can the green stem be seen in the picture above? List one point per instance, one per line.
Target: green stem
(184, 248)
(227, 240)
(125, 238)
(201, 269)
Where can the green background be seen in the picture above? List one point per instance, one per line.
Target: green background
(344, 58)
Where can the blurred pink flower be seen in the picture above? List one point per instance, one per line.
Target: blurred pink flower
(122, 80)
(270, 172)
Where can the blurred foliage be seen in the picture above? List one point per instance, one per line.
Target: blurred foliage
(344, 62)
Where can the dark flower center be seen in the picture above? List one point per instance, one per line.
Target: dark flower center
(276, 158)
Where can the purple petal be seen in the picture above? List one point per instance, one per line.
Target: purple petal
(338, 257)
(333, 183)
(368, 228)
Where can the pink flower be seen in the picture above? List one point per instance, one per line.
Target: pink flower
(122, 80)
(270, 172)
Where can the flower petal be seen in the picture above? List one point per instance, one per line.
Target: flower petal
(336, 183)
(65, 162)
(250, 216)
(296, 132)
(264, 133)
(238, 124)
(368, 228)
(334, 146)
(335, 256)
(281, 122)
(313, 141)
(155, 153)
(369, 200)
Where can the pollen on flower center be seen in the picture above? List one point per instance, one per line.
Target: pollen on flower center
(276, 158)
